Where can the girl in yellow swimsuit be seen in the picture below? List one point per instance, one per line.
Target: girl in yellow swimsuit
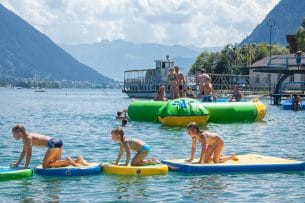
(128, 144)
(212, 145)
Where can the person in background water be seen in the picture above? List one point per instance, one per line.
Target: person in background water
(161, 94)
(121, 114)
(52, 157)
(124, 122)
(128, 144)
(208, 92)
(296, 102)
(237, 94)
(172, 80)
(201, 78)
(189, 93)
(180, 81)
(298, 56)
(212, 145)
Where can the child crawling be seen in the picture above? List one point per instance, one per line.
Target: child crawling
(128, 144)
(212, 145)
(52, 157)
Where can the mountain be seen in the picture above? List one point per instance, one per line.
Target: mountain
(112, 58)
(27, 53)
(286, 17)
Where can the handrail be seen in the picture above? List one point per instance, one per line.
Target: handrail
(286, 63)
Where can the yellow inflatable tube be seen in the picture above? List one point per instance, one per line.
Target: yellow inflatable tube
(159, 169)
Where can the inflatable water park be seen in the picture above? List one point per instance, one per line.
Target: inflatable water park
(180, 112)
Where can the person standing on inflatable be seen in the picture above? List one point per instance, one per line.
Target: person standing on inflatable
(52, 157)
(212, 145)
(128, 144)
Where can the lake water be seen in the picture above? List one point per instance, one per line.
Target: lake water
(83, 119)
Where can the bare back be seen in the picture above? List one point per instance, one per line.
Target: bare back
(38, 139)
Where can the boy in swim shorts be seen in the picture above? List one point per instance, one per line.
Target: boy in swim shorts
(52, 157)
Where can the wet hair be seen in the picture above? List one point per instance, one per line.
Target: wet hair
(193, 126)
(124, 122)
(118, 131)
(18, 128)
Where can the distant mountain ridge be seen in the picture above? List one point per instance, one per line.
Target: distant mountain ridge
(26, 53)
(112, 58)
(286, 17)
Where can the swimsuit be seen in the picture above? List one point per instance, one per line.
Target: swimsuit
(54, 143)
(145, 147)
(207, 98)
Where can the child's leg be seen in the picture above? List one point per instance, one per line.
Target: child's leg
(138, 159)
(52, 159)
(218, 157)
(81, 160)
(208, 154)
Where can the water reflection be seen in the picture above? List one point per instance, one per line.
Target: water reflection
(130, 187)
(199, 187)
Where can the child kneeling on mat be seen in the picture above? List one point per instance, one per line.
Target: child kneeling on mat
(128, 144)
(52, 157)
(212, 145)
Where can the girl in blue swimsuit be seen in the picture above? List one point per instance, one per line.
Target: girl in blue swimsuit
(128, 144)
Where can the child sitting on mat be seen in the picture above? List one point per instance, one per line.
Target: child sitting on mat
(52, 157)
(212, 145)
(128, 144)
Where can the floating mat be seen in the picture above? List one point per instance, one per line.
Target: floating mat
(246, 163)
(7, 173)
(158, 169)
(93, 168)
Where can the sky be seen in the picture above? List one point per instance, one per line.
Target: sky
(199, 23)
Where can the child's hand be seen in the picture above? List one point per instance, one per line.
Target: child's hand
(14, 165)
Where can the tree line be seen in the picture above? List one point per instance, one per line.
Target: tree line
(234, 59)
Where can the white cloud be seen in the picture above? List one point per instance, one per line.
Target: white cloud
(188, 22)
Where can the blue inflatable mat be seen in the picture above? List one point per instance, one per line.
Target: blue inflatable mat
(246, 163)
(93, 168)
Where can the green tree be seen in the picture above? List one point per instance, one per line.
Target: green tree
(301, 36)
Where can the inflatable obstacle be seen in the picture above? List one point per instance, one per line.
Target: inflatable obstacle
(288, 105)
(235, 111)
(246, 163)
(158, 169)
(180, 111)
(145, 110)
(93, 168)
(7, 173)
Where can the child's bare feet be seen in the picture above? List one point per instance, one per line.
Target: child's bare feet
(234, 157)
(82, 161)
(71, 161)
(155, 160)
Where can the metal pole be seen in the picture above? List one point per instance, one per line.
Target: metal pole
(270, 23)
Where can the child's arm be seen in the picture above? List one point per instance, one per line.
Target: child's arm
(127, 149)
(193, 150)
(22, 155)
(203, 148)
(120, 154)
(28, 144)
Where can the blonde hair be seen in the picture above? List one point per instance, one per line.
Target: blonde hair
(118, 131)
(193, 126)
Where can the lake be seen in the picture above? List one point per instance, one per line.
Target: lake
(83, 119)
